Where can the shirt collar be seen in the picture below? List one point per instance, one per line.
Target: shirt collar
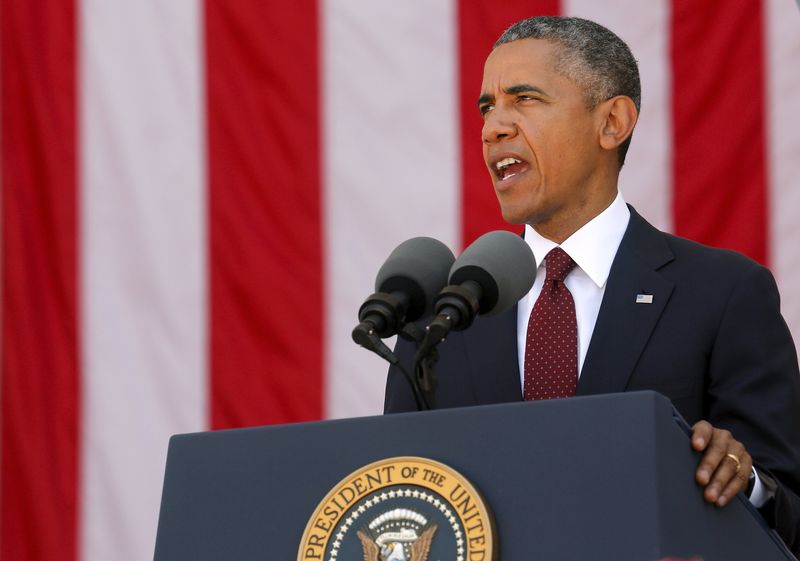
(593, 246)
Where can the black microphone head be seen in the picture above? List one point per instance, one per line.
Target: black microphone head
(419, 268)
(502, 264)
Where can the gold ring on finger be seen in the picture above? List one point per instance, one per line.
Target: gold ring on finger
(735, 458)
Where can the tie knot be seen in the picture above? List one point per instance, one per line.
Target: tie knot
(559, 264)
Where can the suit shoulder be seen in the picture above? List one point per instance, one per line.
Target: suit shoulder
(668, 252)
(711, 259)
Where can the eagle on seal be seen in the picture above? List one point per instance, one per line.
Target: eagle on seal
(394, 551)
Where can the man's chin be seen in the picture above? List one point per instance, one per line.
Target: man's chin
(514, 216)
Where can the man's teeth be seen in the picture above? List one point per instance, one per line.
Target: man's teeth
(505, 162)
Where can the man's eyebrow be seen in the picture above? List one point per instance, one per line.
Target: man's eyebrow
(523, 88)
(511, 90)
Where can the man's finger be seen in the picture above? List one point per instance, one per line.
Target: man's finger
(701, 435)
(738, 482)
(724, 475)
(715, 451)
(725, 467)
(734, 458)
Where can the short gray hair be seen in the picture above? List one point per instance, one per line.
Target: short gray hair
(592, 56)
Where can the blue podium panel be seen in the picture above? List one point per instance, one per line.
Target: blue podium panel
(608, 477)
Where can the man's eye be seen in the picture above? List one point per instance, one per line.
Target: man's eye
(484, 109)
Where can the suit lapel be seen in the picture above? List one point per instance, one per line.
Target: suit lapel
(491, 353)
(624, 325)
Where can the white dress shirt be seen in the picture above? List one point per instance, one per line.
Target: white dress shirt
(593, 248)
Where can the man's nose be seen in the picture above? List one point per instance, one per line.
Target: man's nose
(498, 126)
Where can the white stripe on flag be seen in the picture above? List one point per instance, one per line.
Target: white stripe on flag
(390, 167)
(783, 142)
(143, 247)
(646, 178)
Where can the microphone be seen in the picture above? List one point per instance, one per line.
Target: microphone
(405, 289)
(488, 278)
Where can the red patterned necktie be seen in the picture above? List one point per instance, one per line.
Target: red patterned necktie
(551, 347)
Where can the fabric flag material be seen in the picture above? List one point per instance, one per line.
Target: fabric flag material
(196, 196)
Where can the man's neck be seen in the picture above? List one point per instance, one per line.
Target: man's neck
(561, 227)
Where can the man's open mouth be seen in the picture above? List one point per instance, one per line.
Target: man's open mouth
(509, 167)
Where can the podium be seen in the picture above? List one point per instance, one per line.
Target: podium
(607, 477)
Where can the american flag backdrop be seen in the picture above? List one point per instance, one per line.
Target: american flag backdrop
(196, 196)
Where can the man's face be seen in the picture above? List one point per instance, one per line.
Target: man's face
(540, 141)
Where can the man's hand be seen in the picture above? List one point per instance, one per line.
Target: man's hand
(720, 473)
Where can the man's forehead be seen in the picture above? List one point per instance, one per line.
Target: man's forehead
(525, 61)
(524, 49)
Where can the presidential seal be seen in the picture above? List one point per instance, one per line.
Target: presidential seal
(401, 509)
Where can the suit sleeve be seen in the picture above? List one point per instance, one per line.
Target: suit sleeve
(399, 395)
(754, 391)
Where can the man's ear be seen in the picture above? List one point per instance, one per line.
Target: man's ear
(620, 118)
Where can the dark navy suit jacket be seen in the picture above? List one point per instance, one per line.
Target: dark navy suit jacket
(713, 341)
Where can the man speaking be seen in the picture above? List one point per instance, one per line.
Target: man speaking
(618, 305)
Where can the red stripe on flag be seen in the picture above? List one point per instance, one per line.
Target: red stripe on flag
(40, 386)
(265, 216)
(480, 24)
(720, 177)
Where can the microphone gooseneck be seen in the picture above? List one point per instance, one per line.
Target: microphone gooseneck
(405, 288)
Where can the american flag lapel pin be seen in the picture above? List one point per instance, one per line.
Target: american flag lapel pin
(644, 298)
